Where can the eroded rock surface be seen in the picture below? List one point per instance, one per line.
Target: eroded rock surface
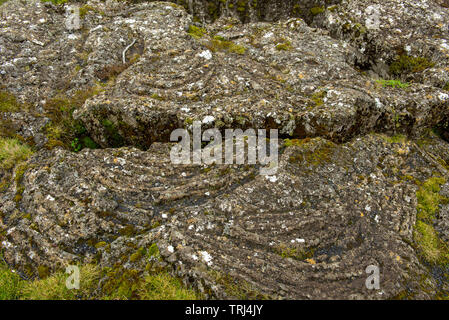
(346, 193)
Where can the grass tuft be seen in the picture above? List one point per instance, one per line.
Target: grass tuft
(12, 151)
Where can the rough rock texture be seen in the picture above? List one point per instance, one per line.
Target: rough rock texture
(307, 232)
(344, 196)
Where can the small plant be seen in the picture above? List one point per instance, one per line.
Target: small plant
(393, 83)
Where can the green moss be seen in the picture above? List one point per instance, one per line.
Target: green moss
(429, 245)
(288, 252)
(399, 138)
(57, 2)
(85, 9)
(43, 272)
(153, 251)
(318, 98)
(162, 286)
(317, 10)
(285, 46)
(137, 255)
(196, 32)
(128, 231)
(101, 244)
(10, 283)
(295, 142)
(237, 289)
(13, 152)
(429, 199)
(8, 103)
(393, 83)
(53, 287)
(405, 64)
(220, 44)
(63, 130)
(313, 152)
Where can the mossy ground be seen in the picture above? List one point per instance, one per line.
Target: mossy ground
(405, 64)
(393, 83)
(125, 284)
(429, 245)
(9, 103)
(12, 152)
(63, 130)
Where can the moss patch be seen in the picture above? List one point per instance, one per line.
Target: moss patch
(393, 83)
(12, 152)
(63, 130)
(405, 64)
(221, 44)
(196, 32)
(429, 245)
(10, 283)
(8, 102)
(317, 10)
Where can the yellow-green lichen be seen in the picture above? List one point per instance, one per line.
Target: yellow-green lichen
(317, 10)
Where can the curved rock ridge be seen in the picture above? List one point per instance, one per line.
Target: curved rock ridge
(282, 75)
(359, 91)
(307, 232)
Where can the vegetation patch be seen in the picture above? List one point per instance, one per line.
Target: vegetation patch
(317, 10)
(405, 64)
(284, 46)
(393, 83)
(429, 245)
(221, 44)
(196, 32)
(63, 130)
(10, 283)
(8, 102)
(12, 151)
(398, 138)
(56, 2)
(237, 289)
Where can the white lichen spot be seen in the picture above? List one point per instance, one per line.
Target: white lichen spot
(206, 257)
(443, 96)
(208, 119)
(206, 54)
